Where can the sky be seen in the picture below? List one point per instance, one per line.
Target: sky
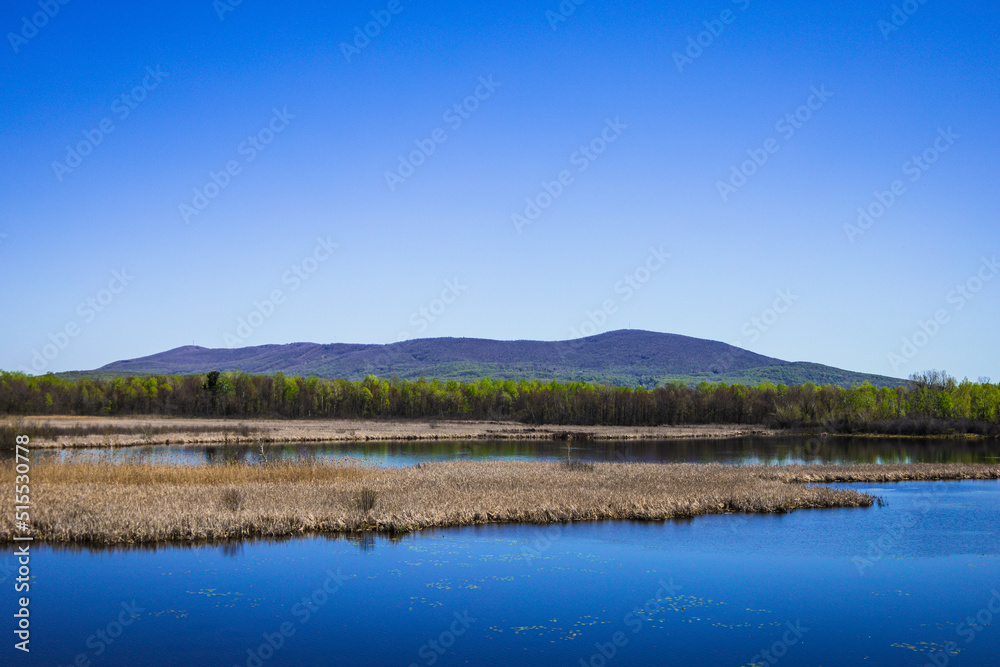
(809, 181)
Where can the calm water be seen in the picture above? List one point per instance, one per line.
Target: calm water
(730, 451)
(886, 585)
(810, 587)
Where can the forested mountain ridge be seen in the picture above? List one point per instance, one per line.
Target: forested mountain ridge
(624, 358)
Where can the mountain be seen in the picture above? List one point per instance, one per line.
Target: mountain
(626, 357)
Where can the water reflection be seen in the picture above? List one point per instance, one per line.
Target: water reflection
(232, 548)
(749, 450)
(365, 542)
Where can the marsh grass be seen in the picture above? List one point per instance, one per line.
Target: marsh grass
(102, 503)
(103, 471)
(146, 431)
(231, 499)
(365, 499)
(9, 430)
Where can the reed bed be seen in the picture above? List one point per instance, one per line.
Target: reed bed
(111, 432)
(104, 472)
(144, 503)
(883, 472)
(83, 431)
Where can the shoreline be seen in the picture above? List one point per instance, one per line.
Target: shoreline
(71, 432)
(157, 430)
(136, 504)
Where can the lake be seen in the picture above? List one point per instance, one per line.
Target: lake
(914, 582)
(749, 450)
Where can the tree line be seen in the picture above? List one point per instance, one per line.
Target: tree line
(928, 402)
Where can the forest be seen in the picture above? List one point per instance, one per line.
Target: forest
(929, 403)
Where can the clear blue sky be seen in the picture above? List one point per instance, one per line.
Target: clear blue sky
(622, 122)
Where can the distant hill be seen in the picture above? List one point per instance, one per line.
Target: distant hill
(626, 357)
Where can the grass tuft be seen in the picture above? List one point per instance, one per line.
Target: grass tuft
(365, 499)
(232, 500)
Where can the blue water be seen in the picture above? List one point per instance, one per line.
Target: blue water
(749, 450)
(888, 585)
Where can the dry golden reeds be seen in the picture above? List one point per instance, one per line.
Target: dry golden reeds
(231, 499)
(365, 500)
(144, 503)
